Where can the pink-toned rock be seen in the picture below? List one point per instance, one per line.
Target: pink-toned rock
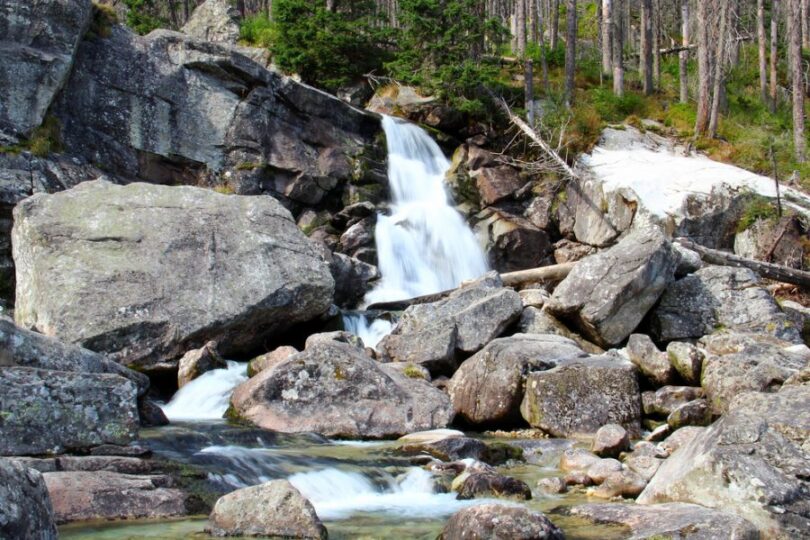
(271, 359)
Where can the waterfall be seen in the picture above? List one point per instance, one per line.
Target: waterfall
(424, 246)
(207, 396)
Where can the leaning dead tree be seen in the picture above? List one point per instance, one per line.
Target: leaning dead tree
(768, 270)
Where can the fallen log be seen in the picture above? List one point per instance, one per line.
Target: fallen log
(776, 272)
(548, 274)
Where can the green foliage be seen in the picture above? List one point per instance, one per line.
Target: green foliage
(758, 208)
(325, 48)
(615, 109)
(143, 16)
(103, 18)
(257, 31)
(554, 57)
(44, 140)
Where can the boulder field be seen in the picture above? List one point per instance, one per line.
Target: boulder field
(204, 207)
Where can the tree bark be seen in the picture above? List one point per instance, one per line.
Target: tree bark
(684, 55)
(618, 48)
(646, 59)
(719, 69)
(607, 38)
(795, 29)
(520, 28)
(554, 20)
(529, 91)
(763, 59)
(774, 52)
(656, 35)
(570, 50)
(704, 69)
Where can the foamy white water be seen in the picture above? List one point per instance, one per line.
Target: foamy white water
(424, 246)
(207, 396)
(337, 494)
(370, 333)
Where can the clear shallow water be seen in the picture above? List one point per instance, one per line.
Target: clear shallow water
(359, 489)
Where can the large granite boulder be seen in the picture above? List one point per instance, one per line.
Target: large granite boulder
(753, 462)
(737, 363)
(56, 411)
(274, 509)
(579, 396)
(170, 108)
(22, 348)
(488, 387)
(38, 40)
(86, 495)
(335, 389)
(608, 294)
(719, 297)
(25, 508)
(671, 520)
(159, 270)
(500, 522)
(434, 334)
(214, 20)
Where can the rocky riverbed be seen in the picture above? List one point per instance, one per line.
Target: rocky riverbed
(178, 356)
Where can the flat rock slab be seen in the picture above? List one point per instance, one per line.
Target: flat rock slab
(43, 412)
(25, 508)
(579, 396)
(82, 495)
(753, 462)
(335, 389)
(672, 520)
(146, 272)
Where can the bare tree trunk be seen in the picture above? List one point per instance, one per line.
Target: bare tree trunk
(570, 50)
(607, 38)
(774, 52)
(555, 22)
(646, 58)
(331, 5)
(684, 55)
(520, 30)
(763, 59)
(529, 88)
(806, 24)
(795, 32)
(618, 48)
(543, 61)
(704, 69)
(656, 36)
(533, 26)
(719, 69)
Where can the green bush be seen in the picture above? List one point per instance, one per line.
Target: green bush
(143, 16)
(615, 109)
(257, 31)
(102, 20)
(554, 57)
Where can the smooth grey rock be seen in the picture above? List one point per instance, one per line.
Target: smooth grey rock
(689, 261)
(214, 20)
(488, 387)
(608, 294)
(54, 411)
(38, 40)
(578, 397)
(715, 298)
(737, 363)
(334, 389)
(577, 460)
(433, 334)
(599, 471)
(86, 495)
(25, 507)
(22, 348)
(195, 363)
(753, 462)
(610, 441)
(274, 509)
(649, 360)
(687, 360)
(672, 520)
(624, 483)
(150, 277)
(485, 485)
(499, 522)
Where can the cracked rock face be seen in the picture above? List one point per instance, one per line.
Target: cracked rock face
(753, 462)
(25, 508)
(335, 389)
(145, 272)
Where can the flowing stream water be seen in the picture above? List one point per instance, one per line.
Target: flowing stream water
(359, 489)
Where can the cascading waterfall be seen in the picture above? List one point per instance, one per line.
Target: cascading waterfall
(207, 396)
(424, 246)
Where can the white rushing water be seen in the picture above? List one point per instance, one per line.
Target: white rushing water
(337, 494)
(424, 246)
(207, 396)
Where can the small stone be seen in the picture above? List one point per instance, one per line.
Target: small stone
(687, 361)
(610, 441)
(480, 485)
(195, 363)
(552, 486)
(603, 468)
(659, 433)
(693, 413)
(625, 483)
(577, 460)
(650, 361)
